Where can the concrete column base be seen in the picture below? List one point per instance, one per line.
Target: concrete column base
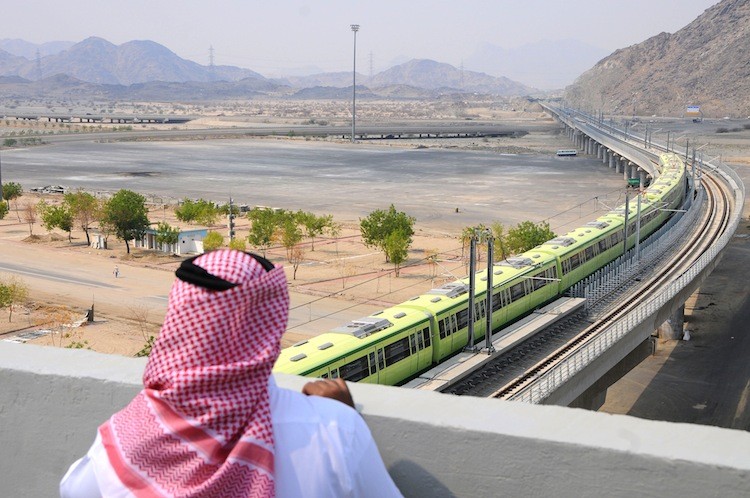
(673, 328)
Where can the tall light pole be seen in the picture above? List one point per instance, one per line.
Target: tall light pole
(355, 28)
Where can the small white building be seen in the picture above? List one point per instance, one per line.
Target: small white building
(188, 242)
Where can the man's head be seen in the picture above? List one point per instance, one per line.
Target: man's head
(226, 314)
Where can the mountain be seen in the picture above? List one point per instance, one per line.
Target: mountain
(546, 64)
(146, 70)
(706, 63)
(432, 75)
(28, 50)
(98, 61)
(337, 79)
(9, 63)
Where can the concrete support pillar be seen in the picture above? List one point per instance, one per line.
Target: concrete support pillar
(633, 171)
(626, 170)
(605, 156)
(612, 159)
(618, 165)
(642, 175)
(673, 329)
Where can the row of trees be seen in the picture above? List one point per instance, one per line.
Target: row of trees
(515, 240)
(125, 214)
(389, 231)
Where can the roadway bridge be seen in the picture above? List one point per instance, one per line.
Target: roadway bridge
(101, 118)
(574, 362)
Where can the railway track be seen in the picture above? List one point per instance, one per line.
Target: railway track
(516, 370)
(714, 222)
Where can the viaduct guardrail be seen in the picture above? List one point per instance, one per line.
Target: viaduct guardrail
(570, 377)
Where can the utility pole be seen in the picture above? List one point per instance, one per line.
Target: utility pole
(472, 285)
(625, 228)
(211, 61)
(355, 28)
(231, 220)
(488, 348)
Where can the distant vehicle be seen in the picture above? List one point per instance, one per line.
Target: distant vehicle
(567, 152)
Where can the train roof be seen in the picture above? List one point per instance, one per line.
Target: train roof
(344, 340)
(581, 236)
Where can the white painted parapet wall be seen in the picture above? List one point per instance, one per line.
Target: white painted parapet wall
(52, 400)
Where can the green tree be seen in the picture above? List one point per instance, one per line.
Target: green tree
(527, 235)
(11, 192)
(500, 247)
(200, 211)
(396, 249)
(265, 223)
(166, 233)
(3, 209)
(314, 225)
(238, 244)
(84, 208)
(379, 224)
(126, 213)
(290, 233)
(212, 241)
(12, 292)
(55, 217)
(467, 233)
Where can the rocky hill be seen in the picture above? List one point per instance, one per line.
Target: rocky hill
(706, 63)
(96, 60)
(432, 75)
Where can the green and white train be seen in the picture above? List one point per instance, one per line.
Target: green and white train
(394, 345)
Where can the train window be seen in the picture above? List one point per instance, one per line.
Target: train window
(397, 351)
(537, 282)
(441, 326)
(589, 252)
(497, 301)
(481, 309)
(603, 245)
(324, 376)
(552, 273)
(335, 373)
(427, 338)
(574, 261)
(356, 370)
(566, 266)
(372, 363)
(517, 292)
(462, 318)
(420, 341)
(412, 344)
(381, 360)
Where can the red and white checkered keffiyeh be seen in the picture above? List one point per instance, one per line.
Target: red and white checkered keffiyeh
(202, 424)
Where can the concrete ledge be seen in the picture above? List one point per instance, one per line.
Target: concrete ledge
(434, 444)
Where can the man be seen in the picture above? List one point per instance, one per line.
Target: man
(210, 420)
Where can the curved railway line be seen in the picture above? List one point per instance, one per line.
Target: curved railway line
(516, 370)
(713, 222)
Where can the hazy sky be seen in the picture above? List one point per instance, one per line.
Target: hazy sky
(268, 36)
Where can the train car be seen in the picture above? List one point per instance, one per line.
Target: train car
(383, 348)
(394, 345)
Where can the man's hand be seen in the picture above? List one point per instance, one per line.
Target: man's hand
(329, 388)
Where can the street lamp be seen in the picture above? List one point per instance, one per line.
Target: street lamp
(355, 28)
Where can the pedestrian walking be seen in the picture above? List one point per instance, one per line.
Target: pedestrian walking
(116, 272)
